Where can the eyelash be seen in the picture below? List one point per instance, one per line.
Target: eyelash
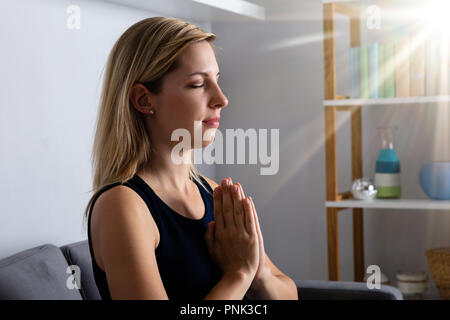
(197, 86)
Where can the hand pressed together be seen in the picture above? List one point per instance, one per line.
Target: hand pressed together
(234, 239)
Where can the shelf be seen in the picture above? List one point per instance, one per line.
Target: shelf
(412, 204)
(200, 10)
(340, 1)
(386, 101)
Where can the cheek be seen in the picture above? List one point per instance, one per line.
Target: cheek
(185, 108)
(184, 103)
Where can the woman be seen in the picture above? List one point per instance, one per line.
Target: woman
(155, 231)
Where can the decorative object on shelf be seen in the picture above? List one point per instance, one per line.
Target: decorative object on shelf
(439, 262)
(387, 169)
(413, 285)
(435, 179)
(364, 189)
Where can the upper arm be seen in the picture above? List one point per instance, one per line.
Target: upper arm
(126, 243)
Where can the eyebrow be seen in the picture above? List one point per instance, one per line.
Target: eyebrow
(202, 73)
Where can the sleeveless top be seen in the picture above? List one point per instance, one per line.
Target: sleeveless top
(186, 268)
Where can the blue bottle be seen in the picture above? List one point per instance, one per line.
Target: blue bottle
(387, 167)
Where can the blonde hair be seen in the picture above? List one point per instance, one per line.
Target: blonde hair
(144, 53)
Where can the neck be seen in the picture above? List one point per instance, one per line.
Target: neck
(164, 173)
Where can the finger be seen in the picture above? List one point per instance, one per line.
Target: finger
(241, 190)
(238, 207)
(212, 225)
(209, 235)
(227, 205)
(249, 217)
(258, 229)
(218, 213)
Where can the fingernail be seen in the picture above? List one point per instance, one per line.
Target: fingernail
(234, 189)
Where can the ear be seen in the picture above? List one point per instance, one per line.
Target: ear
(141, 98)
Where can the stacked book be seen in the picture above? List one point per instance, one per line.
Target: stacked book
(406, 67)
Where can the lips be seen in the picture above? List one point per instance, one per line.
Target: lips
(213, 122)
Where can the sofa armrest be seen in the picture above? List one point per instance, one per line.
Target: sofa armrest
(344, 290)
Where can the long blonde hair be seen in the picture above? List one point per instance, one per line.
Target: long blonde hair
(144, 53)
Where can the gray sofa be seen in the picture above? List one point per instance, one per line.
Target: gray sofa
(43, 273)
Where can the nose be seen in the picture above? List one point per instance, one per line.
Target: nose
(218, 100)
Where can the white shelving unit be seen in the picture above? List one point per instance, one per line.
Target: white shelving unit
(410, 204)
(388, 101)
(333, 103)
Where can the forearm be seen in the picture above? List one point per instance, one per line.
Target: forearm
(230, 287)
(273, 287)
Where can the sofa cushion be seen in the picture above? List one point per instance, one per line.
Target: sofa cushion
(78, 254)
(36, 274)
(344, 290)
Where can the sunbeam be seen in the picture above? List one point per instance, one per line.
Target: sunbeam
(297, 41)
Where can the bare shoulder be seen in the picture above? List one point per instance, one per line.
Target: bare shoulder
(124, 237)
(118, 205)
(119, 196)
(211, 182)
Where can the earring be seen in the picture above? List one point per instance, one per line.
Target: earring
(152, 112)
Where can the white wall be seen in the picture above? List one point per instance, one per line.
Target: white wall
(50, 88)
(273, 76)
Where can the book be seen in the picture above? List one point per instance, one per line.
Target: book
(373, 71)
(354, 73)
(364, 72)
(389, 70)
(402, 67)
(381, 70)
(433, 63)
(444, 68)
(417, 70)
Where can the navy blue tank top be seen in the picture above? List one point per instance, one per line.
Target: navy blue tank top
(186, 268)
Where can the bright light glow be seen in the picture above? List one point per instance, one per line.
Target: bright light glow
(436, 16)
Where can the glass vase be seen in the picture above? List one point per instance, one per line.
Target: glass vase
(387, 167)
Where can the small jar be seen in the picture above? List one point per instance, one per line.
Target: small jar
(413, 285)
